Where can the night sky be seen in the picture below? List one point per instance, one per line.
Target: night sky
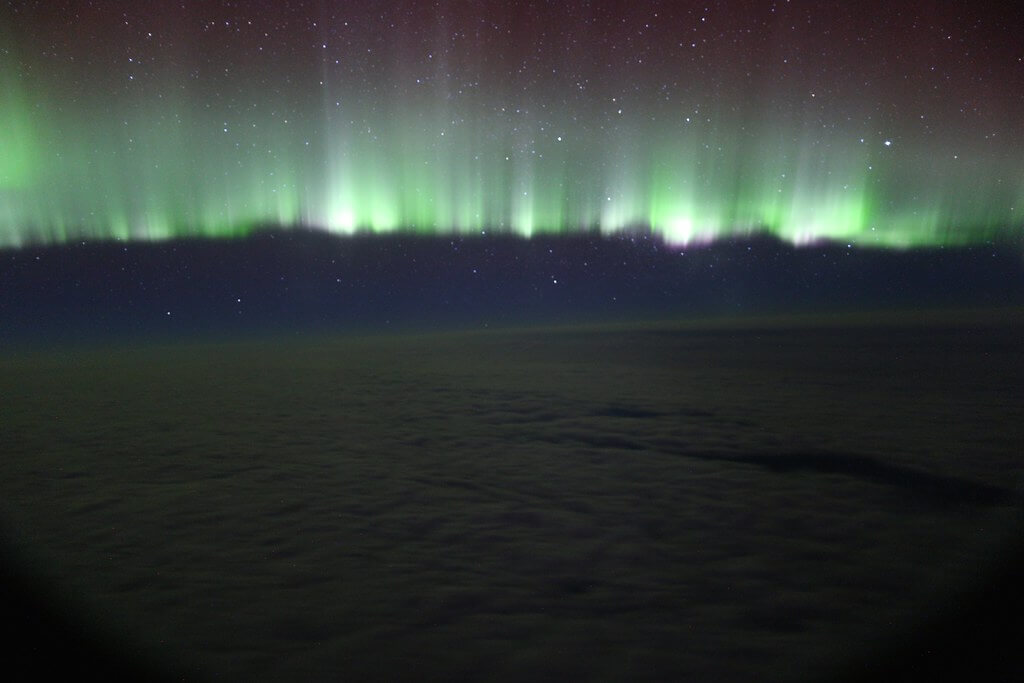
(221, 167)
(873, 123)
(293, 281)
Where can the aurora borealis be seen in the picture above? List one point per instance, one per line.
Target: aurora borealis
(880, 124)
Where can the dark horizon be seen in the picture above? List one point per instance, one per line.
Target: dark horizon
(289, 281)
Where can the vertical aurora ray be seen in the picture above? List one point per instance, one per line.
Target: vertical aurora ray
(19, 151)
(17, 134)
(432, 138)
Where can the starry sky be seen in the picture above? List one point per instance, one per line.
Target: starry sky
(881, 124)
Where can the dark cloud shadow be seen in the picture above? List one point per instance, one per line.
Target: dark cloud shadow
(935, 488)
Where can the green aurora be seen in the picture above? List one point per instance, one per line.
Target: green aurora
(153, 156)
(169, 176)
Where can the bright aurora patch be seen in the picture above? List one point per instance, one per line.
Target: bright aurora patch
(878, 125)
